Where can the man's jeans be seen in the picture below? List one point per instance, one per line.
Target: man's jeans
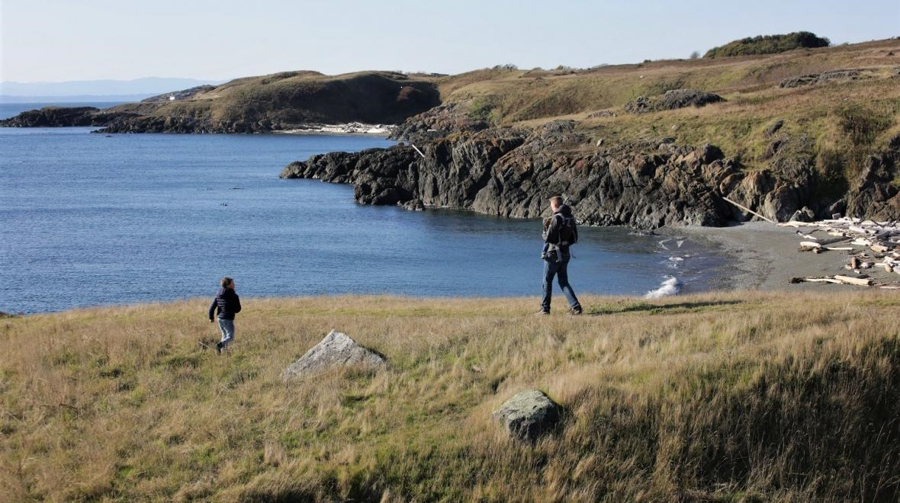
(559, 269)
(227, 328)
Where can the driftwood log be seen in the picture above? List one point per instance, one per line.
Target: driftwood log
(870, 243)
(849, 280)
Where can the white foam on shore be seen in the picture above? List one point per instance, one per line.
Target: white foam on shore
(669, 287)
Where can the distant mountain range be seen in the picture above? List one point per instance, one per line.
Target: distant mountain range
(94, 90)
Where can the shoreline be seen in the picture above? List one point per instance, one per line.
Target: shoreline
(350, 128)
(763, 258)
(767, 256)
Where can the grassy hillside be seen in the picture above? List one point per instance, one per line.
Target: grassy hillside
(836, 123)
(725, 397)
(289, 99)
(508, 96)
(520, 95)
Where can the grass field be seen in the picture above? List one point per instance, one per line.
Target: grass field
(718, 397)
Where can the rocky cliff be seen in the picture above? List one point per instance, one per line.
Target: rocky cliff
(650, 183)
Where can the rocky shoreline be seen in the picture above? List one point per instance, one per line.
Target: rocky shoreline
(126, 122)
(64, 117)
(647, 184)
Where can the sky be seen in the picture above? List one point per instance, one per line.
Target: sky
(65, 40)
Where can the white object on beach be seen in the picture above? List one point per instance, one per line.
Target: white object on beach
(849, 280)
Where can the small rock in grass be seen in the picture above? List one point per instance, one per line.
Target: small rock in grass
(528, 415)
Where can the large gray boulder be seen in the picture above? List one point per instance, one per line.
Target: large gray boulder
(336, 350)
(528, 415)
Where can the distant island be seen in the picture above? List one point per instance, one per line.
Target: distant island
(783, 125)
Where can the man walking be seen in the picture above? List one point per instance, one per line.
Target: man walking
(228, 304)
(558, 237)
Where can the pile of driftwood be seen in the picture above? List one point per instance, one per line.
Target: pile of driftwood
(870, 245)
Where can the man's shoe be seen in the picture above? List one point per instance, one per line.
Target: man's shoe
(576, 311)
(219, 348)
(542, 313)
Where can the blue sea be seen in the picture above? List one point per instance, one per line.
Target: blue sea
(91, 219)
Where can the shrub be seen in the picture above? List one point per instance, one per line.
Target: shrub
(482, 109)
(861, 124)
(768, 44)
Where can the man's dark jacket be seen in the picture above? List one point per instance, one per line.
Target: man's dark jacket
(552, 234)
(227, 302)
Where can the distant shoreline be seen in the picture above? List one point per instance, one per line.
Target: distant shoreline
(354, 128)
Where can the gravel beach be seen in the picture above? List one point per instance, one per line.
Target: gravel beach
(766, 257)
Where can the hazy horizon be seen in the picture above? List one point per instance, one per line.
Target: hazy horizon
(91, 90)
(58, 41)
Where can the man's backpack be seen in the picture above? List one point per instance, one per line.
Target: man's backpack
(568, 232)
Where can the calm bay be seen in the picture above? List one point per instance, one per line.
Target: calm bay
(92, 219)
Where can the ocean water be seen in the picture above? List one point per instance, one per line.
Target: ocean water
(92, 219)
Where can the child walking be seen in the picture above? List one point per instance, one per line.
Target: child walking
(227, 303)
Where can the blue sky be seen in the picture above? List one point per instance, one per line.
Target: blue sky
(57, 40)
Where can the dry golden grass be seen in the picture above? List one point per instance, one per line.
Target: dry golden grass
(522, 96)
(822, 121)
(738, 126)
(719, 397)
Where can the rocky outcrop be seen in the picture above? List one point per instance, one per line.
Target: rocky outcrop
(63, 117)
(336, 350)
(672, 100)
(877, 194)
(182, 124)
(646, 184)
(512, 173)
(601, 114)
(821, 78)
(528, 415)
(437, 123)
